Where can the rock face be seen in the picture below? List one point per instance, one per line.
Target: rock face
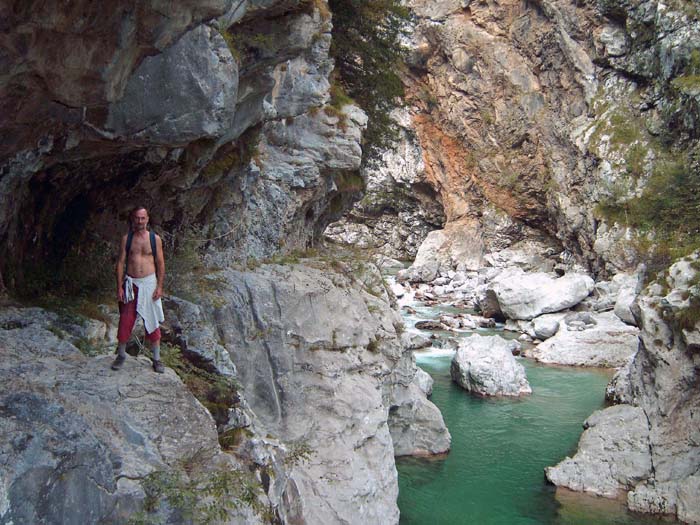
(399, 207)
(79, 439)
(213, 117)
(545, 326)
(526, 295)
(186, 93)
(485, 366)
(318, 367)
(616, 442)
(425, 382)
(587, 339)
(656, 459)
(534, 111)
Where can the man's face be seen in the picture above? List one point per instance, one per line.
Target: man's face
(139, 220)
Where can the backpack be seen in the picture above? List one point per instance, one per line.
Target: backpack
(130, 237)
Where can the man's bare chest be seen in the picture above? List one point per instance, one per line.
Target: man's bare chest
(140, 248)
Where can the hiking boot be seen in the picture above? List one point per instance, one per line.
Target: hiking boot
(118, 362)
(158, 366)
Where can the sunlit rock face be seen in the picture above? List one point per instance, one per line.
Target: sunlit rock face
(211, 115)
(321, 362)
(545, 115)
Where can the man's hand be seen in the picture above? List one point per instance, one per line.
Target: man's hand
(120, 294)
(158, 293)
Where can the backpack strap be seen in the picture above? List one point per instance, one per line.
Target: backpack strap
(154, 247)
(129, 238)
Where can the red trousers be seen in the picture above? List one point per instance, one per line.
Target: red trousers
(127, 318)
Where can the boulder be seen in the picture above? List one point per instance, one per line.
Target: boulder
(431, 325)
(485, 366)
(398, 290)
(415, 341)
(545, 326)
(487, 302)
(387, 263)
(626, 295)
(425, 267)
(613, 454)
(451, 321)
(606, 342)
(457, 246)
(481, 321)
(523, 295)
(424, 381)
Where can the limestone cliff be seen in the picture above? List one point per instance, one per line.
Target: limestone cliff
(318, 367)
(573, 127)
(215, 115)
(399, 207)
(647, 445)
(555, 117)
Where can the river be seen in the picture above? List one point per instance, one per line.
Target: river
(494, 473)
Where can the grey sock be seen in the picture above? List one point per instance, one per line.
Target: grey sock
(121, 350)
(156, 351)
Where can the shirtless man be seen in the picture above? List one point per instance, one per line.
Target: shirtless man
(140, 290)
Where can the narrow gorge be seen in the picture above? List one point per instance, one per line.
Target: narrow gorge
(541, 187)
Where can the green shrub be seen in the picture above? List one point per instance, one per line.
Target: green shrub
(216, 392)
(202, 498)
(339, 97)
(666, 215)
(635, 160)
(349, 181)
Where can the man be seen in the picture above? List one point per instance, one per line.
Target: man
(140, 290)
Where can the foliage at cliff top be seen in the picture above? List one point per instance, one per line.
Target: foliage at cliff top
(368, 53)
(667, 212)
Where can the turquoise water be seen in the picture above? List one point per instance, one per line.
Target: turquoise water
(494, 473)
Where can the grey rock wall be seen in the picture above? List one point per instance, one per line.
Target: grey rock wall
(399, 208)
(320, 363)
(550, 113)
(186, 93)
(223, 132)
(79, 439)
(655, 458)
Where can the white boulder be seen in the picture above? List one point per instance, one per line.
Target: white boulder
(605, 342)
(485, 366)
(523, 295)
(545, 326)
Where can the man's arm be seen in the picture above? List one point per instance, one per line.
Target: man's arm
(160, 268)
(120, 270)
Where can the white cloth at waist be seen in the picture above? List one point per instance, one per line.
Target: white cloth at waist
(150, 311)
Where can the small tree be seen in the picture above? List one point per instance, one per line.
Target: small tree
(368, 54)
